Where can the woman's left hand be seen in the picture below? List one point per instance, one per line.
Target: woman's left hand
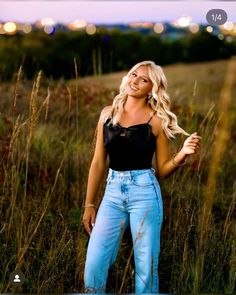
(191, 144)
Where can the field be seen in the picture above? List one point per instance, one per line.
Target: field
(47, 131)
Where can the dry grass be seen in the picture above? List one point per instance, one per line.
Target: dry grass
(46, 142)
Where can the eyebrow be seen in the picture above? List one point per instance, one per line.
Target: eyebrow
(143, 76)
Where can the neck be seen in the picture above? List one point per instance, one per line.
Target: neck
(135, 104)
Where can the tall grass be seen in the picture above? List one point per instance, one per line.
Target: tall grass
(46, 142)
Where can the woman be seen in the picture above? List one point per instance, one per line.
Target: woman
(138, 124)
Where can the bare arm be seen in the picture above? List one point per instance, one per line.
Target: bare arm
(166, 164)
(96, 172)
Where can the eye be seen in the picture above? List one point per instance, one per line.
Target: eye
(144, 80)
(133, 74)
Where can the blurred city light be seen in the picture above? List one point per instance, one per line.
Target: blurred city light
(184, 21)
(38, 24)
(158, 28)
(209, 29)
(91, 29)
(49, 30)
(228, 26)
(49, 26)
(79, 24)
(9, 27)
(47, 21)
(221, 36)
(2, 31)
(27, 28)
(141, 25)
(193, 28)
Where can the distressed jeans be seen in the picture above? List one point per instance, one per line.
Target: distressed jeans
(131, 198)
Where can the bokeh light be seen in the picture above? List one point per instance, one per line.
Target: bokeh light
(49, 30)
(38, 24)
(158, 28)
(221, 36)
(141, 25)
(27, 28)
(184, 21)
(47, 21)
(209, 29)
(9, 27)
(91, 29)
(79, 24)
(2, 31)
(228, 26)
(193, 28)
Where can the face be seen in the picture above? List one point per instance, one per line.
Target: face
(139, 84)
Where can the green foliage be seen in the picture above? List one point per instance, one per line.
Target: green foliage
(106, 51)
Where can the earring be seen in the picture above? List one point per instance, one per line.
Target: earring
(149, 97)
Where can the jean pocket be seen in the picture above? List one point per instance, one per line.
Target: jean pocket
(142, 180)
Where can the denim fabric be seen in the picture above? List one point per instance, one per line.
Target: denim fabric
(131, 198)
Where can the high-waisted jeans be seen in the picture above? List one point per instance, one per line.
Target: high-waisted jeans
(131, 198)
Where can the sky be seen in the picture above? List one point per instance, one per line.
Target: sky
(105, 12)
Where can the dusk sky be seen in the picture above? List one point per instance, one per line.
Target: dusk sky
(98, 12)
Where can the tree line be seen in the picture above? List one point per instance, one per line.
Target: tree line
(103, 52)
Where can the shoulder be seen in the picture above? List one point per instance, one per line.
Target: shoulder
(103, 116)
(105, 113)
(156, 124)
(106, 109)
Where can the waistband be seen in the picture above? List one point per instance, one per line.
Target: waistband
(130, 173)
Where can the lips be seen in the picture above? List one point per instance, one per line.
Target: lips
(133, 87)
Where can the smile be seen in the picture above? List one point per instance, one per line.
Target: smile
(132, 87)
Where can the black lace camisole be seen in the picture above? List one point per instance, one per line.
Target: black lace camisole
(129, 148)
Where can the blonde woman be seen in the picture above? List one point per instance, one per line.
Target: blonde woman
(138, 124)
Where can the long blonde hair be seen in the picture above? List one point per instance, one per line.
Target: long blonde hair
(159, 100)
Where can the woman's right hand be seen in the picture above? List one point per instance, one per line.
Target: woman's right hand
(89, 219)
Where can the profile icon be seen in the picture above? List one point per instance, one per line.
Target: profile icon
(16, 278)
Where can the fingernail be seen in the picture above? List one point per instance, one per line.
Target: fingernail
(92, 224)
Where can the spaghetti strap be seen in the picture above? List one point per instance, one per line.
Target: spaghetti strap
(151, 117)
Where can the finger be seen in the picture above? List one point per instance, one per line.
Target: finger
(86, 225)
(195, 141)
(193, 138)
(88, 229)
(194, 144)
(196, 136)
(191, 144)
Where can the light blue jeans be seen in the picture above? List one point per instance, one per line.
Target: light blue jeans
(131, 198)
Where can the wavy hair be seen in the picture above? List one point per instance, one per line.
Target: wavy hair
(159, 100)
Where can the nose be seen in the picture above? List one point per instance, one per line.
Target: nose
(135, 80)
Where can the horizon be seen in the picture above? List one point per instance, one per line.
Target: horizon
(112, 12)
